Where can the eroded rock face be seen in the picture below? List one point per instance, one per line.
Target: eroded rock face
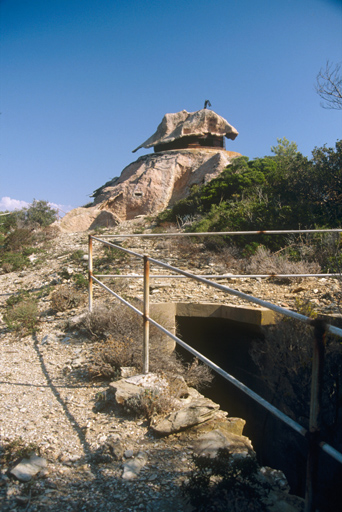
(148, 186)
(156, 181)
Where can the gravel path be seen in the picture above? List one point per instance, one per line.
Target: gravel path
(45, 404)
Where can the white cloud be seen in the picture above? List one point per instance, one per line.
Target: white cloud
(6, 203)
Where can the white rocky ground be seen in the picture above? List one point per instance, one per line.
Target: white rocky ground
(47, 399)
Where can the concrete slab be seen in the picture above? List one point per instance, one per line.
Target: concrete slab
(242, 314)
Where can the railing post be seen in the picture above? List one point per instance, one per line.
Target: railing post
(90, 272)
(146, 314)
(315, 407)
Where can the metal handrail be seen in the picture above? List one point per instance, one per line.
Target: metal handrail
(276, 412)
(231, 291)
(320, 330)
(225, 233)
(218, 276)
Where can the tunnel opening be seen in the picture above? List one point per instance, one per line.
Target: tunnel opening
(227, 343)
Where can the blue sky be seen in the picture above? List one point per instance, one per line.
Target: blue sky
(84, 82)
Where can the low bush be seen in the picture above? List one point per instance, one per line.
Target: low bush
(46, 234)
(106, 262)
(197, 375)
(17, 449)
(121, 328)
(66, 297)
(18, 244)
(150, 402)
(80, 280)
(17, 297)
(110, 357)
(77, 255)
(226, 482)
(13, 261)
(23, 317)
(18, 239)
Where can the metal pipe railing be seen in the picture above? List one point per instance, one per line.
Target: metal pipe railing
(231, 291)
(320, 330)
(249, 298)
(261, 401)
(146, 315)
(90, 272)
(218, 276)
(224, 233)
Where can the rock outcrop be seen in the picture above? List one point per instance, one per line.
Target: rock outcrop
(82, 219)
(157, 181)
(148, 186)
(189, 150)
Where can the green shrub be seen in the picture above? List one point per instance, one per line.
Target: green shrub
(18, 239)
(285, 191)
(7, 222)
(224, 483)
(27, 251)
(17, 449)
(23, 317)
(38, 213)
(77, 255)
(13, 261)
(80, 280)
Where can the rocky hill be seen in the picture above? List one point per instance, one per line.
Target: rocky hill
(47, 397)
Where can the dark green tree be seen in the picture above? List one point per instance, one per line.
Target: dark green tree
(38, 213)
(285, 191)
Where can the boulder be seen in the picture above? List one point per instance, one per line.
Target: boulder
(186, 124)
(133, 467)
(26, 469)
(82, 219)
(189, 150)
(132, 387)
(209, 444)
(193, 410)
(222, 422)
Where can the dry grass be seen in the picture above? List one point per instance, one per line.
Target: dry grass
(150, 402)
(119, 334)
(66, 297)
(266, 262)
